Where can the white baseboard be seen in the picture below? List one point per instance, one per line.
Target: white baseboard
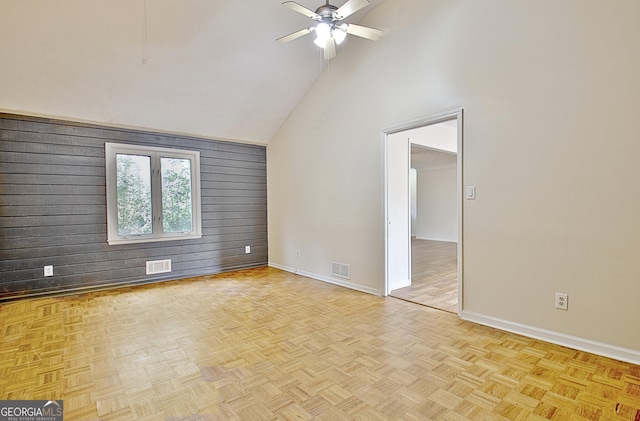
(282, 267)
(328, 279)
(574, 342)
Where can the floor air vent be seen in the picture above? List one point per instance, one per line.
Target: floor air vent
(158, 266)
(341, 270)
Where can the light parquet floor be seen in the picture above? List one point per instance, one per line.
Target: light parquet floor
(264, 344)
(434, 275)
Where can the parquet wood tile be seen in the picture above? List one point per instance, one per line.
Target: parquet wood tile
(434, 275)
(263, 344)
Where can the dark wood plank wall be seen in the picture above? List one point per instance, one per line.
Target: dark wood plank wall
(53, 209)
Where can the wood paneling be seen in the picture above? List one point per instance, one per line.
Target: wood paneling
(53, 208)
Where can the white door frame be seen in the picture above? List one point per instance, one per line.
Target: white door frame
(420, 122)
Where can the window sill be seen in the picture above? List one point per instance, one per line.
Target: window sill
(142, 239)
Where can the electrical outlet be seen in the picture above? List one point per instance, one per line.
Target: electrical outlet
(297, 253)
(247, 249)
(562, 301)
(48, 270)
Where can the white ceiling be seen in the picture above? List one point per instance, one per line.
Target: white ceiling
(205, 67)
(442, 139)
(424, 159)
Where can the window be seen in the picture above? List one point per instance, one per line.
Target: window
(153, 194)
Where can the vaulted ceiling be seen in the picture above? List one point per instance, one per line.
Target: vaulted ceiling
(208, 68)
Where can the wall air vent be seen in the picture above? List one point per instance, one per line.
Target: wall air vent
(158, 266)
(341, 270)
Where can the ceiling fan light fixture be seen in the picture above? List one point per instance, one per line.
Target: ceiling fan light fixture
(323, 29)
(320, 41)
(323, 32)
(338, 34)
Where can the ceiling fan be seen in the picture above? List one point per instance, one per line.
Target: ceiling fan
(330, 32)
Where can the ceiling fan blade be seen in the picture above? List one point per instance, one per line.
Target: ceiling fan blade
(349, 8)
(294, 35)
(363, 31)
(301, 9)
(330, 49)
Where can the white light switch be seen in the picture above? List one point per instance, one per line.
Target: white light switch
(471, 192)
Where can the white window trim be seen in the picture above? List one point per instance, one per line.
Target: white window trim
(113, 238)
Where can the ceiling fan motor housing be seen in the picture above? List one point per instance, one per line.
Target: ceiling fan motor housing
(327, 12)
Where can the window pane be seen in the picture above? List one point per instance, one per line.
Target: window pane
(133, 179)
(176, 195)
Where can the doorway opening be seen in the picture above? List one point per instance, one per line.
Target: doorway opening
(423, 193)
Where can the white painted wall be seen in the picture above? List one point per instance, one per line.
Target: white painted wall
(551, 96)
(437, 214)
